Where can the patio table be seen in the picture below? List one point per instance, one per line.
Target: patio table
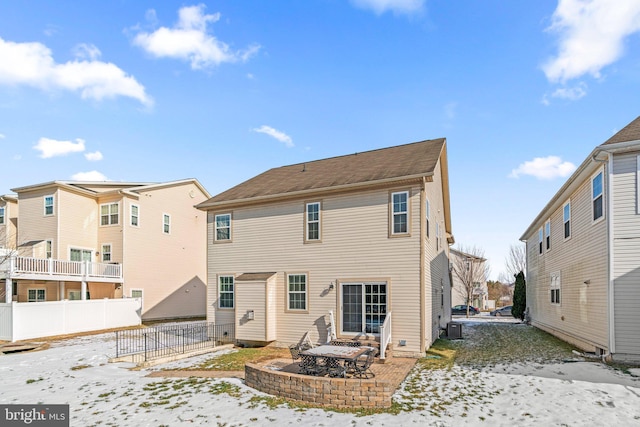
(330, 359)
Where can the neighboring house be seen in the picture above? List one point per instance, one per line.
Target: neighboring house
(96, 240)
(364, 236)
(583, 253)
(8, 222)
(477, 279)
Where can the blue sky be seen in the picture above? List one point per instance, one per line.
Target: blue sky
(223, 90)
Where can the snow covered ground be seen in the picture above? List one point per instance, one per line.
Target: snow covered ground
(76, 372)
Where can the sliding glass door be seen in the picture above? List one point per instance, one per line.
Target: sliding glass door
(364, 307)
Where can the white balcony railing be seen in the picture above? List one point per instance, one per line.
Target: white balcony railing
(19, 266)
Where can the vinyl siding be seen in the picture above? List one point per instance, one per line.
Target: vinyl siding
(581, 317)
(171, 268)
(626, 263)
(8, 230)
(33, 225)
(78, 220)
(355, 247)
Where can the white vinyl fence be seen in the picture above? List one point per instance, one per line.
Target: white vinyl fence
(21, 321)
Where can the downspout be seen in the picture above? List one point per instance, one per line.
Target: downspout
(423, 305)
(608, 163)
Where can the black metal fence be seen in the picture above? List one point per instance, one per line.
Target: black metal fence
(177, 338)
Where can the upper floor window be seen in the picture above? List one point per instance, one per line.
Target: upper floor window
(400, 212)
(540, 240)
(48, 205)
(437, 236)
(135, 215)
(297, 291)
(2, 213)
(225, 292)
(566, 219)
(555, 288)
(48, 249)
(106, 253)
(109, 214)
(547, 234)
(166, 223)
(427, 209)
(313, 221)
(596, 195)
(222, 227)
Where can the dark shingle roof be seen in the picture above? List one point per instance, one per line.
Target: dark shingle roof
(409, 160)
(630, 132)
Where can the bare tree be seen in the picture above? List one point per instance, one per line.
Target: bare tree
(516, 261)
(471, 270)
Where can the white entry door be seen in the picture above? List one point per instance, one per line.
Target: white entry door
(364, 307)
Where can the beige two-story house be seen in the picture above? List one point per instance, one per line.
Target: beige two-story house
(355, 246)
(473, 270)
(583, 253)
(95, 240)
(8, 222)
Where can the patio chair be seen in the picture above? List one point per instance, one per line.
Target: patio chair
(295, 351)
(346, 343)
(361, 368)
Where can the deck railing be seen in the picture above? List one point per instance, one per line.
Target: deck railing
(385, 335)
(55, 267)
(167, 340)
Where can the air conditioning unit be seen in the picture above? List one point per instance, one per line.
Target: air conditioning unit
(454, 330)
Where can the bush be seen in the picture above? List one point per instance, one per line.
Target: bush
(519, 297)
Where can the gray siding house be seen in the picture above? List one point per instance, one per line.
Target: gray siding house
(583, 253)
(355, 245)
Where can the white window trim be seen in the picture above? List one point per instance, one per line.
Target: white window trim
(595, 221)
(233, 305)
(427, 208)
(164, 217)
(540, 247)
(74, 291)
(437, 236)
(215, 227)
(565, 221)
(36, 291)
(82, 250)
(307, 222)
(102, 252)
(109, 224)
(3, 215)
(393, 214)
(131, 215)
(132, 290)
(306, 293)
(53, 205)
(547, 235)
(556, 283)
(48, 254)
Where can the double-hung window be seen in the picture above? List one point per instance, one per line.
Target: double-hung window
(400, 212)
(48, 249)
(135, 215)
(166, 223)
(427, 209)
(106, 253)
(547, 234)
(597, 196)
(540, 240)
(2, 214)
(297, 291)
(566, 219)
(36, 295)
(109, 214)
(313, 221)
(226, 292)
(222, 230)
(555, 288)
(48, 205)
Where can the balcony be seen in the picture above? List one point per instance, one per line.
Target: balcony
(28, 268)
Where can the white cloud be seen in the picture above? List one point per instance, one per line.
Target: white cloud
(189, 40)
(93, 157)
(591, 35)
(87, 51)
(89, 176)
(396, 6)
(571, 93)
(52, 148)
(32, 64)
(280, 136)
(549, 167)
